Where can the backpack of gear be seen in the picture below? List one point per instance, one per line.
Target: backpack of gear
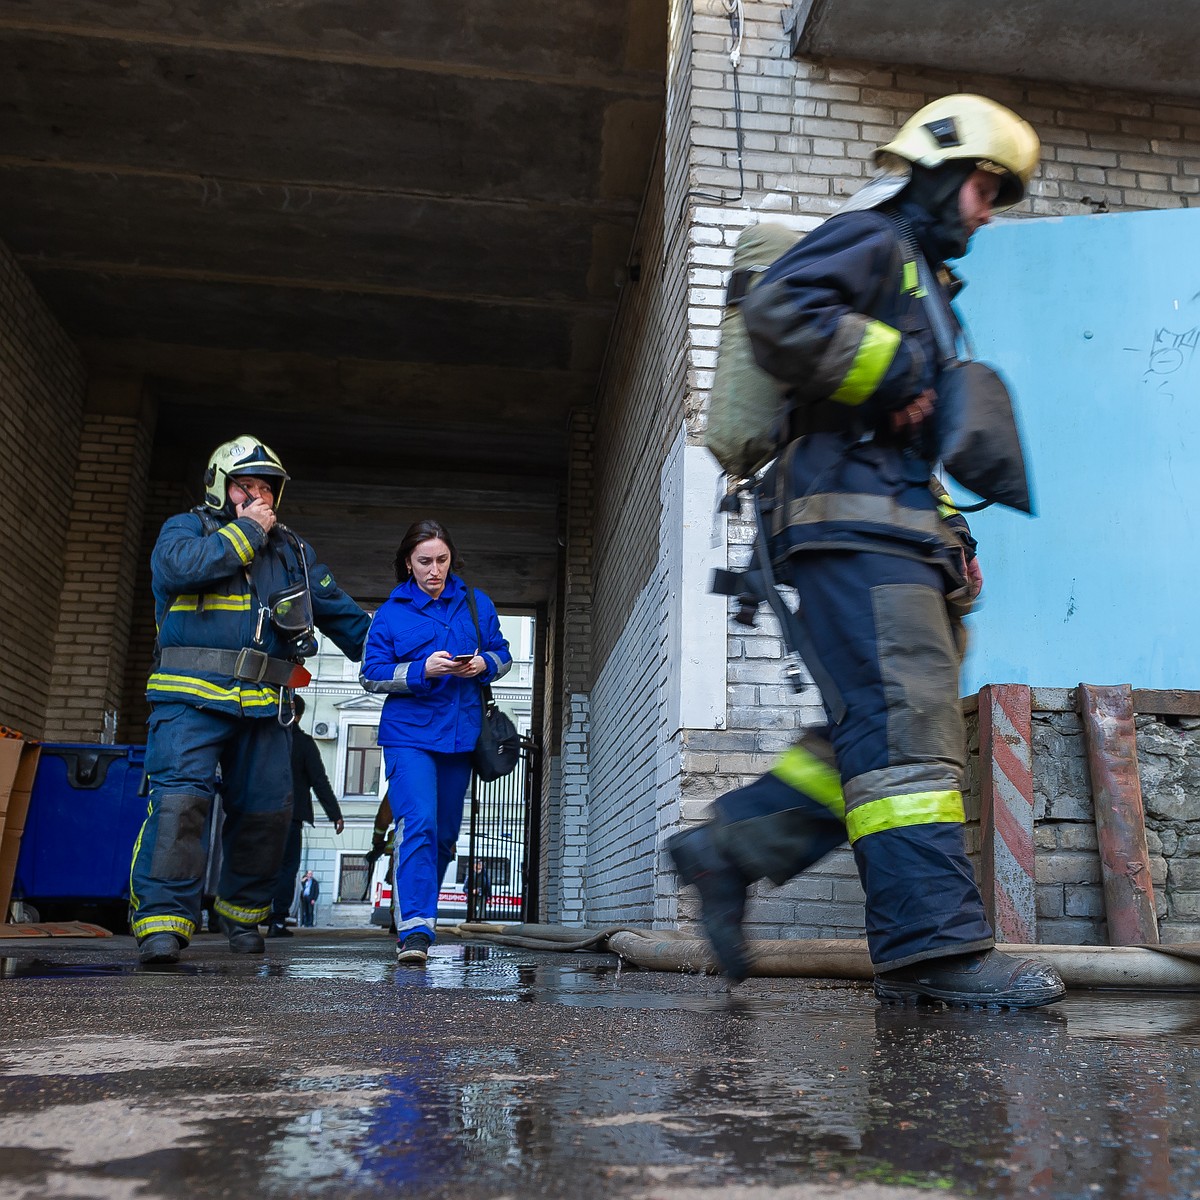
(745, 406)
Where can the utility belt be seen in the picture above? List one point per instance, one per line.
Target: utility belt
(247, 665)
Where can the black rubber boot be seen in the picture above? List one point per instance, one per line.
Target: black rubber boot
(159, 949)
(243, 939)
(722, 891)
(989, 979)
(414, 950)
(279, 929)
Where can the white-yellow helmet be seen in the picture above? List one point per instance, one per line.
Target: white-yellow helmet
(968, 127)
(243, 456)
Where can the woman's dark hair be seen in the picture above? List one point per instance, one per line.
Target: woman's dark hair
(418, 532)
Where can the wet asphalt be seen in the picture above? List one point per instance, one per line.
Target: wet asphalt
(326, 1070)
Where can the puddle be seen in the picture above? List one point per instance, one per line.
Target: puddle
(377, 1078)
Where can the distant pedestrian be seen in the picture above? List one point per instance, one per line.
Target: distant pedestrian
(308, 776)
(478, 886)
(310, 890)
(425, 655)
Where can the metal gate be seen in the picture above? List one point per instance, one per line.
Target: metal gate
(500, 874)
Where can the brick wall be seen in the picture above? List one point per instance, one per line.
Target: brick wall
(42, 381)
(100, 566)
(161, 500)
(565, 784)
(635, 417)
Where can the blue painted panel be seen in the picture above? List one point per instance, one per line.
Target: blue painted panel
(1095, 322)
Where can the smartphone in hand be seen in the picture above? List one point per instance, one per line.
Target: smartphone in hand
(463, 658)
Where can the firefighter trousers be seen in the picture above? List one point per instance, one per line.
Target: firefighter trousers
(889, 776)
(184, 749)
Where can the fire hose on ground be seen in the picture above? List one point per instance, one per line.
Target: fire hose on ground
(1131, 968)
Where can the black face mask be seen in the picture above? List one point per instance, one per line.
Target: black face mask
(930, 201)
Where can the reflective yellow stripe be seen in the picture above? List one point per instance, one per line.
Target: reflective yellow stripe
(213, 603)
(801, 769)
(133, 900)
(945, 505)
(144, 926)
(189, 685)
(912, 280)
(898, 812)
(870, 365)
(241, 543)
(243, 916)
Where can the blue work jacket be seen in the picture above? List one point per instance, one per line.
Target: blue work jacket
(210, 578)
(443, 714)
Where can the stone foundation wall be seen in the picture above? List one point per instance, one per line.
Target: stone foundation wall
(1070, 895)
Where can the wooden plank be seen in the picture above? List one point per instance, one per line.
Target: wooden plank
(18, 765)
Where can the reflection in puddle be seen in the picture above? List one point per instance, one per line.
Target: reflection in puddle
(37, 968)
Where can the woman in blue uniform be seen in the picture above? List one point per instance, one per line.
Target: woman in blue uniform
(426, 655)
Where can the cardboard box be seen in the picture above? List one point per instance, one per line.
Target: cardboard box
(18, 765)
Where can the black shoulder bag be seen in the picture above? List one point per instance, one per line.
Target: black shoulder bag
(977, 437)
(498, 749)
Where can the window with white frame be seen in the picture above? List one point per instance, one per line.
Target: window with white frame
(363, 760)
(353, 875)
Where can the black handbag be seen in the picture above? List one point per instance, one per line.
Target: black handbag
(498, 749)
(974, 425)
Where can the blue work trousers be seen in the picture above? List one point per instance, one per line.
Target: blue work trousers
(880, 627)
(426, 790)
(183, 751)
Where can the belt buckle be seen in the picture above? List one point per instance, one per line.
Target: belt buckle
(251, 665)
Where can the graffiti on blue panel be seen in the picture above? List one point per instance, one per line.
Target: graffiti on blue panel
(1169, 360)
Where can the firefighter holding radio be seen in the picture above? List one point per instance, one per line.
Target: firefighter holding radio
(237, 598)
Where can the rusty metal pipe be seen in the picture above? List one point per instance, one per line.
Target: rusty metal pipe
(1111, 739)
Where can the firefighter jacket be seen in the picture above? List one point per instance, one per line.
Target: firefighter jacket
(841, 318)
(212, 580)
(443, 714)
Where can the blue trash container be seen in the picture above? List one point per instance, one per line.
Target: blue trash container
(84, 817)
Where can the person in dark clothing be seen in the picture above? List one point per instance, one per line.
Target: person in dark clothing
(883, 568)
(308, 776)
(478, 886)
(310, 891)
(237, 596)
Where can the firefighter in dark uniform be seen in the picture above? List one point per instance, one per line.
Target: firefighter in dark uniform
(236, 598)
(881, 567)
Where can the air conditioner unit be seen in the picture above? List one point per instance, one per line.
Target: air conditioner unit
(322, 730)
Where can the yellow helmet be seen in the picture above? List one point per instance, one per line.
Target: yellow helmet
(969, 127)
(242, 456)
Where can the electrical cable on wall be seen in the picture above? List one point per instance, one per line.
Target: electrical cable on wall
(737, 23)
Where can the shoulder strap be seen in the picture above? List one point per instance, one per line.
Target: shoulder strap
(936, 306)
(485, 688)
